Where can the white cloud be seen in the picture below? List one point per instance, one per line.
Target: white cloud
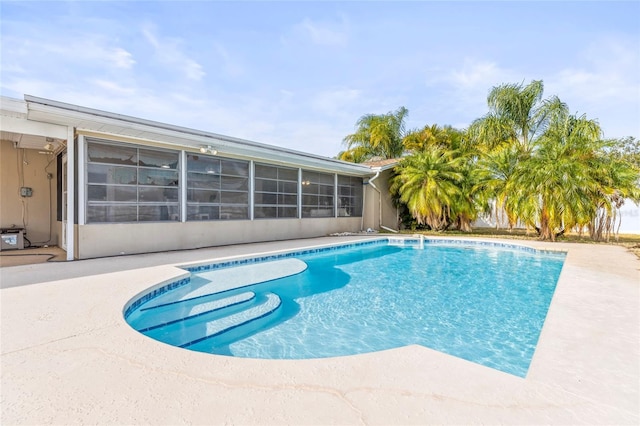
(314, 121)
(193, 70)
(114, 88)
(605, 86)
(611, 73)
(168, 51)
(475, 74)
(86, 49)
(602, 82)
(463, 90)
(322, 137)
(121, 58)
(284, 118)
(19, 86)
(12, 68)
(331, 102)
(323, 33)
(229, 64)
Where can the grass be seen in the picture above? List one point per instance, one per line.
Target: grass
(630, 241)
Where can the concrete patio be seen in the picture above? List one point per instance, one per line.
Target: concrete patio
(68, 357)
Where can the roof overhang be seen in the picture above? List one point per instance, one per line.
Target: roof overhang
(24, 133)
(382, 165)
(96, 122)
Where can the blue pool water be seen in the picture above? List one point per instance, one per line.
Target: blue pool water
(485, 304)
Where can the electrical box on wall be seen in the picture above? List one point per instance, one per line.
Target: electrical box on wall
(26, 191)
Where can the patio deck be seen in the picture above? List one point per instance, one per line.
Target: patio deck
(68, 357)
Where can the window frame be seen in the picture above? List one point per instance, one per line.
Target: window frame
(216, 210)
(169, 184)
(353, 200)
(321, 187)
(286, 192)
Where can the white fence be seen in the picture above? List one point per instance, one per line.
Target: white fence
(628, 219)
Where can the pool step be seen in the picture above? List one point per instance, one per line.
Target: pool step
(226, 279)
(161, 317)
(194, 333)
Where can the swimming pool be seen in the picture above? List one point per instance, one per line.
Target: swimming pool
(482, 302)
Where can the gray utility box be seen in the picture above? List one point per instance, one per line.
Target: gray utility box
(11, 238)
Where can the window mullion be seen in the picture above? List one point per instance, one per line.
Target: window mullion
(251, 186)
(335, 193)
(182, 183)
(300, 194)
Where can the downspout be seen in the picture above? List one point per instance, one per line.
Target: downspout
(380, 203)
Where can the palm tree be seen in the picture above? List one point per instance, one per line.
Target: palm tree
(445, 137)
(428, 182)
(627, 149)
(507, 138)
(619, 179)
(356, 155)
(517, 116)
(448, 141)
(376, 135)
(567, 179)
(539, 164)
(492, 175)
(465, 208)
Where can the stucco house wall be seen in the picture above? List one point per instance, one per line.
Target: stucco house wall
(30, 125)
(28, 168)
(99, 240)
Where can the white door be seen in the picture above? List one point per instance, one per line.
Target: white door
(63, 241)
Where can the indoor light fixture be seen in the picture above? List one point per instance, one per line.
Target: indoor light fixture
(208, 149)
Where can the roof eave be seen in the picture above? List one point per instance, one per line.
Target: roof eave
(92, 119)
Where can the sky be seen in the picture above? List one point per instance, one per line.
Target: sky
(300, 74)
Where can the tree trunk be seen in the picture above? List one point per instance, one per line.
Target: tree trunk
(545, 231)
(463, 224)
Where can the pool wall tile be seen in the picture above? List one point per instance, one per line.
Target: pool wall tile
(155, 293)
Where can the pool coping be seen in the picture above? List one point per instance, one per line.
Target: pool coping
(585, 370)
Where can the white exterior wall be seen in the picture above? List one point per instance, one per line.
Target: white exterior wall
(112, 239)
(370, 208)
(378, 209)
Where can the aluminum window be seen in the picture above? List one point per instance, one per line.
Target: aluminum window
(217, 188)
(130, 183)
(349, 196)
(317, 194)
(275, 192)
(126, 183)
